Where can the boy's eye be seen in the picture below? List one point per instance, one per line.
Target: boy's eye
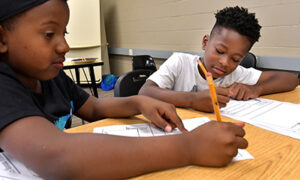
(236, 60)
(219, 52)
(49, 35)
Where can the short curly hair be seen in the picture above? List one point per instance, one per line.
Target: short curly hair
(239, 20)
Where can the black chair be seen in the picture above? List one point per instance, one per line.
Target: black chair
(249, 61)
(143, 62)
(130, 83)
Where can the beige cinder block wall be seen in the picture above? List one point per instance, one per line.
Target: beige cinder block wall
(178, 25)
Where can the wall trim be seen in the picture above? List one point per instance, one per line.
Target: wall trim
(266, 62)
(280, 63)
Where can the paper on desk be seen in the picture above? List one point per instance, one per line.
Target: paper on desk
(14, 170)
(68, 59)
(276, 116)
(146, 130)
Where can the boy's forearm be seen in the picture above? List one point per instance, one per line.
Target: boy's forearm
(276, 81)
(115, 157)
(96, 109)
(120, 107)
(54, 154)
(178, 98)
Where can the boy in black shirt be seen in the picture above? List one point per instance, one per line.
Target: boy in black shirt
(35, 94)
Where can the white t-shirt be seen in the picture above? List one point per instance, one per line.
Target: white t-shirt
(180, 73)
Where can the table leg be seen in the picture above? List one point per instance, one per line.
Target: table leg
(77, 76)
(93, 81)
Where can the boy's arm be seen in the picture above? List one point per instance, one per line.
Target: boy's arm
(161, 114)
(196, 100)
(54, 154)
(269, 82)
(276, 81)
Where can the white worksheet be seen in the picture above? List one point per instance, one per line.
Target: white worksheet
(11, 169)
(276, 116)
(146, 130)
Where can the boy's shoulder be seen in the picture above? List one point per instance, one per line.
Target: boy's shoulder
(183, 55)
(183, 58)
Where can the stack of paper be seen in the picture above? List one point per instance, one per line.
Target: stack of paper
(13, 169)
(276, 116)
(146, 130)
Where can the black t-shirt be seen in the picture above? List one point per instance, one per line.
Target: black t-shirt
(60, 98)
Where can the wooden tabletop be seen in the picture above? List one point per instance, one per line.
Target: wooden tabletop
(77, 64)
(276, 156)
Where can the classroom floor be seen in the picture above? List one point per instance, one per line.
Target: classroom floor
(76, 120)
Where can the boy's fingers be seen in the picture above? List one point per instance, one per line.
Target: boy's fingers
(161, 122)
(168, 122)
(230, 93)
(175, 119)
(222, 104)
(222, 91)
(223, 99)
(168, 128)
(240, 95)
(233, 91)
(242, 143)
(241, 124)
(172, 124)
(180, 126)
(238, 130)
(153, 124)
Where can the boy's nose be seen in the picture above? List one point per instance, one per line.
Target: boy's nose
(62, 47)
(224, 61)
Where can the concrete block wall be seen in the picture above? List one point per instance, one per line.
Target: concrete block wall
(179, 25)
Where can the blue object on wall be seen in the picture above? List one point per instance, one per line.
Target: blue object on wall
(108, 82)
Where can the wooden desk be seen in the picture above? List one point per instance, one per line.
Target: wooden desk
(88, 64)
(276, 156)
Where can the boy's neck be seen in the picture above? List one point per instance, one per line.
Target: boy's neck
(32, 84)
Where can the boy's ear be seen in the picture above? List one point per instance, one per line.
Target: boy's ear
(205, 41)
(3, 45)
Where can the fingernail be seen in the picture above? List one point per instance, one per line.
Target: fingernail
(168, 128)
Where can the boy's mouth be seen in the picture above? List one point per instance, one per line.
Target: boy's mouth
(218, 70)
(59, 62)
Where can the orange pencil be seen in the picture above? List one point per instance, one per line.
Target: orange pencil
(213, 95)
(202, 66)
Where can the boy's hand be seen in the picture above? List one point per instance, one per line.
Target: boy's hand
(215, 143)
(243, 91)
(223, 96)
(202, 100)
(162, 115)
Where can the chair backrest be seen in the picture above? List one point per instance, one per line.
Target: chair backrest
(143, 62)
(130, 83)
(249, 60)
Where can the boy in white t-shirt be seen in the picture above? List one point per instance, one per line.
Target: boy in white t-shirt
(181, 82)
